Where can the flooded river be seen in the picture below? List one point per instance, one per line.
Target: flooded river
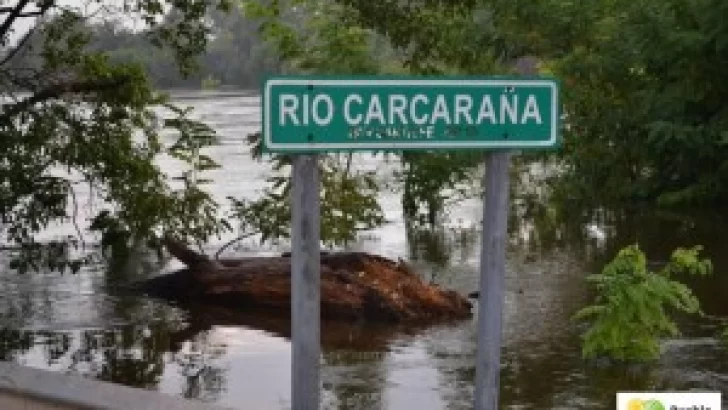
(83, 324)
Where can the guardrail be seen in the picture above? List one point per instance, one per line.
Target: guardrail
(24, 388)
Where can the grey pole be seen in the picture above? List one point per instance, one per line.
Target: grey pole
(492, 278)
(305, 283)
(493, 268)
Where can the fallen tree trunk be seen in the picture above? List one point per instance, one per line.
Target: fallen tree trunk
(355, 286)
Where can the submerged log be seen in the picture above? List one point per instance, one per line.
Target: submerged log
(355, 286)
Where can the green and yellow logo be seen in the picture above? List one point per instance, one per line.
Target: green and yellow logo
(639, 404)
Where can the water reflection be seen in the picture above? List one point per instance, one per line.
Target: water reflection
(137, 356)
(89, 325)
(207, 353)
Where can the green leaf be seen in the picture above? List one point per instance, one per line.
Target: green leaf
(631, 316)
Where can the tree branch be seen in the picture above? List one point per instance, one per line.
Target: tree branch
(9, 56)
(14, 14)
(26, 14)
(239, 238)
(348, 165)
(74, 217)
(43, 9)
(57, 90)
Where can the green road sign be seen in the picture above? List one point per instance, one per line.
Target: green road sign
(318, 114)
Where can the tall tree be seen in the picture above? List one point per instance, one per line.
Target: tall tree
(77, 116)
(642, 83)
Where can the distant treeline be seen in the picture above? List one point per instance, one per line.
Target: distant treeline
(235, 55)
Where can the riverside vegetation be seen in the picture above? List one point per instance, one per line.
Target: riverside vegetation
(643, 86)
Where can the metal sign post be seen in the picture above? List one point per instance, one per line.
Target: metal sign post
(305, 283)
(493, 269)
(304, 115)
(492, 279)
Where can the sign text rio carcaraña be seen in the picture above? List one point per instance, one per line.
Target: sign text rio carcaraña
(305, 114)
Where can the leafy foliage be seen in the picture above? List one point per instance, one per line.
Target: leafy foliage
(642, 92)
(434, 38)
(642, 83)
(310, 38)
(629, 315)
(78, 117)
(314, 36)
(233, 54)
(426, 177)
(348, 203)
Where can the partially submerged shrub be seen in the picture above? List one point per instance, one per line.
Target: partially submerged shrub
(630, 313)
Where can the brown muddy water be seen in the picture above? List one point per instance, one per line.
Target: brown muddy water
(84, 325)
